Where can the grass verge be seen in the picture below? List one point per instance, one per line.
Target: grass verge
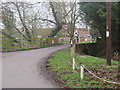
(61, 65)
(29, 48)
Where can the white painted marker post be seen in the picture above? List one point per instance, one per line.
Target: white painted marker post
(82, 70)
(85, 39)
(52, 41)
(73, 63)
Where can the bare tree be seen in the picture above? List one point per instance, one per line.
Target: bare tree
(23, 16)
(58, 14)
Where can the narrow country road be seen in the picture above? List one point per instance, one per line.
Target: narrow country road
(24, 69)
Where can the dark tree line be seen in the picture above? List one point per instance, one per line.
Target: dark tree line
(94, 15)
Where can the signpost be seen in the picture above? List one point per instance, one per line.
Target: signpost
(65, 27)
(76, 34)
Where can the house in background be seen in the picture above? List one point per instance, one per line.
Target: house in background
(83, 34)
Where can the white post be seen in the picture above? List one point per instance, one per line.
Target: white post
(82, 71)
(85, 39)
(73, 63)
(71, 42)
(52, 41)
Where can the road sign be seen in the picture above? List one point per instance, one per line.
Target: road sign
(65, 27)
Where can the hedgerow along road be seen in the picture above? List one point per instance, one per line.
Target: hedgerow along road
(26, 69)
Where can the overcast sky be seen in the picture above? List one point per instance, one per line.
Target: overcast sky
(42, 9)
(34, 1)
(62, 0)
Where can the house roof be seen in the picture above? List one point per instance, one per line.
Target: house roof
(83, 32)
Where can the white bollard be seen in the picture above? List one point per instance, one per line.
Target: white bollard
(73, 63)
(52, 41)
(85, 39)
(82, 71)
(71, 42)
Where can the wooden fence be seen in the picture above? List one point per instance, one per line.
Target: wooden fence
(36, 42)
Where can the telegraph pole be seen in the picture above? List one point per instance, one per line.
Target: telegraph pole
(108, 32)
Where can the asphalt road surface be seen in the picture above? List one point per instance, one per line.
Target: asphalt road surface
(26, 69)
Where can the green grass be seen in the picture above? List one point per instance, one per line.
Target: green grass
(82, 42)
(61, 63)
(29, 48)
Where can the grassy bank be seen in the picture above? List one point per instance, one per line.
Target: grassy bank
(61, 65)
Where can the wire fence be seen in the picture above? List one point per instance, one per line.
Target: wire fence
(82, 72)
